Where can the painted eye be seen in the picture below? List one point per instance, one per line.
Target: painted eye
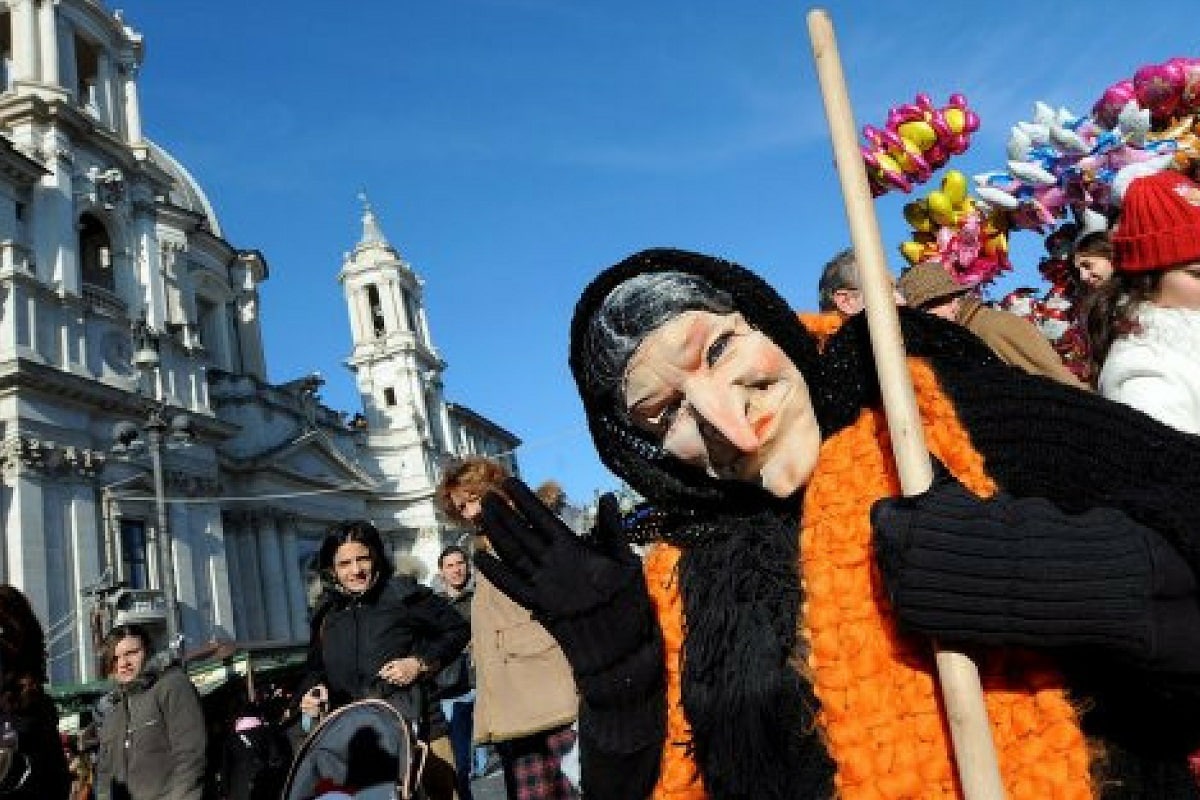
(718, 347)
(666, 417)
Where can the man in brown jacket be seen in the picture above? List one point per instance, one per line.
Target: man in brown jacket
(928, 287)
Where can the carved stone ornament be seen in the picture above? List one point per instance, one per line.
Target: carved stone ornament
(24, 453)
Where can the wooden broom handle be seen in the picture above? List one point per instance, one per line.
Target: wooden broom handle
(974, 753)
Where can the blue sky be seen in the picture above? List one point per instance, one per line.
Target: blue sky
(513, 148)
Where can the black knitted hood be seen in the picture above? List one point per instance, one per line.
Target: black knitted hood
(634, 455)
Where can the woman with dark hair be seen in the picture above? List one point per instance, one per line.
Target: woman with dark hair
(1145, 322)
(32, 762)
(777, 641)
(377, 634)
(152, 740)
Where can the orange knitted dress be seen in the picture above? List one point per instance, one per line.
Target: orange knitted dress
(880, 713)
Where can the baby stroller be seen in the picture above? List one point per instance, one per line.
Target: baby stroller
(365, 751)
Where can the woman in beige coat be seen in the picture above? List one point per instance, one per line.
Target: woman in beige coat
(525, 696)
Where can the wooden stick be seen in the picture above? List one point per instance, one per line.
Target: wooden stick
(962, 694)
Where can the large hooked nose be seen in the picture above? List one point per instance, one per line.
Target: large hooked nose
(714, 429)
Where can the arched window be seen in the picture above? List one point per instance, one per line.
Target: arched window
(378, 323)
(95, 254)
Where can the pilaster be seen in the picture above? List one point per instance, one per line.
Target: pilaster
(48, 43)
(86, 568)
(270, 559)
(294, 578)
(128, 69)
(252, 584)
(26, 61)
(234, 567)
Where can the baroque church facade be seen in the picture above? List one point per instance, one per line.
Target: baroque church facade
(123, 307)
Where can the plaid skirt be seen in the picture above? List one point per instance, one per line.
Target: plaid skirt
(532, 765)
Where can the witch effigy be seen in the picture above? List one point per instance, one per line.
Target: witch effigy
(776, 641)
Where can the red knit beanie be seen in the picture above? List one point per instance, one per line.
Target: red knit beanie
(1159, 225)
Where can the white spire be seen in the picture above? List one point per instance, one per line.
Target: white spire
(372, 234)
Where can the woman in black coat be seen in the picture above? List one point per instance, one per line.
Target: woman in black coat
(378, 635)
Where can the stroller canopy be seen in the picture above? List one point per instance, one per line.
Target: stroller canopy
(364, 749)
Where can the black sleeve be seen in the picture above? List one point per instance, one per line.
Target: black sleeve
(1080, 450)
(314, 665)
(1020, 571)
(444, 633)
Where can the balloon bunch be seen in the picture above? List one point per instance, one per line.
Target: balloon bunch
(1055, 312)
(916, 140)
(968, 239)
(1059, 161)
(1168, 91)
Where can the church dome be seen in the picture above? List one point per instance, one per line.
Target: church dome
(185, 191)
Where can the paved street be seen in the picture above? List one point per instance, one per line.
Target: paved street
(489, 788)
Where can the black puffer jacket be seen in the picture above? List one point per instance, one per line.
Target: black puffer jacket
(355, 635)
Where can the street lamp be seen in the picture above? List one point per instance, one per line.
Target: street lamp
(158, 429)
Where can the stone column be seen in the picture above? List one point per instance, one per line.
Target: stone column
(105, 74)
(25, 529)
(250, 334)
(232, 534)
(55, 237)
(294, 576)
(132, 106)
(48, 43)
(252, 578)
(26, 63)
(270, 559)
(85, 540)
(367, 321)
(147, 259)
(216, 572)
(387, 302)
(184, 559)
(69, 74)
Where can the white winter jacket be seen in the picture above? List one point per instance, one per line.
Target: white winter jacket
(1157, 369)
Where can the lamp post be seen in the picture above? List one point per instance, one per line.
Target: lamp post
(158, 430)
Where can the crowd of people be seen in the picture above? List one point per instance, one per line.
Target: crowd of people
(776, 638)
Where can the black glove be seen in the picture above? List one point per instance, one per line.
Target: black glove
(591, 596)
(1020, 571)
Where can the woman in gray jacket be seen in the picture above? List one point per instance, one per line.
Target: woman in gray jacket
(152, 737)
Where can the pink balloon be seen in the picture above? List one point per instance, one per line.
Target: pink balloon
(957, 144)
(1109, 106)
(1159, 88)
(875, 137)
(1190, 96)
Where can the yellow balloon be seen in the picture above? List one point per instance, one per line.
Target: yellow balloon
(940, 208)
(887, 164)
(912, 252)
(954, 186)
(918, 132)
(917, 216)
(956, 120)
